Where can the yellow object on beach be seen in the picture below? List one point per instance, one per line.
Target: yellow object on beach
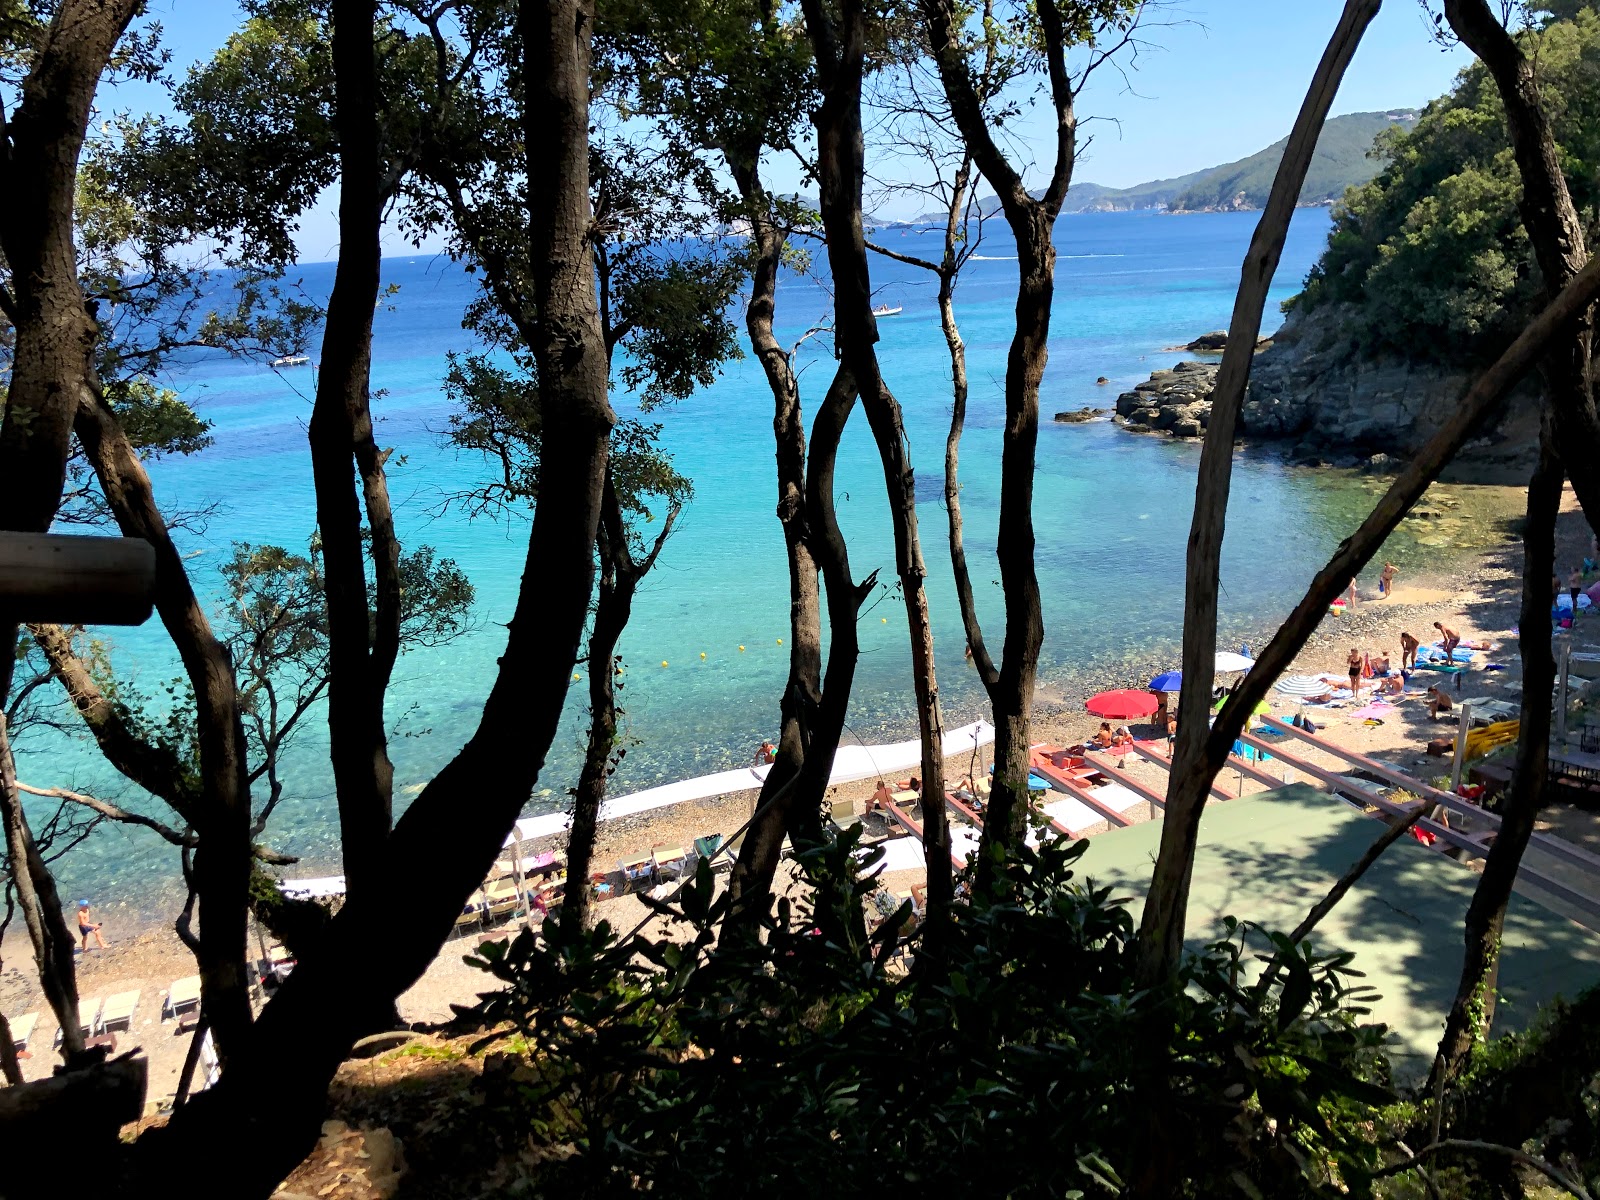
(1481, 741)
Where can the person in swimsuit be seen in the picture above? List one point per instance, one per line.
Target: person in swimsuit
(1356, 663)
(1574, 586)
(1408, 651)
(1438, 701)
(1386, 580)
(1102, 736)
(1449, 639)
(88, 928)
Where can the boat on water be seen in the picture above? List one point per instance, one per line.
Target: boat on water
(292, 360)
(883, 310)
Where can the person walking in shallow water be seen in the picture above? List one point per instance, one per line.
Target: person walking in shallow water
(88, 928)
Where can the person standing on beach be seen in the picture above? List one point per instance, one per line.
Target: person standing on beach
(1350, 592)
(1356, 663)
(1408, 652)
(1386, 580)
(88, 928)
(1449, 639)
(1574, 586)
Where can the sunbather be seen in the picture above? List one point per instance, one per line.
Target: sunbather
(1103, 736)
(1438, 701)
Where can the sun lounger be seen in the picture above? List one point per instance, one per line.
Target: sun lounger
(501, 897)
(472, 914)
(183, 995)
(118, 1010)
(22, 1030)
(88, 1018)
(635, 869)
(668, 859)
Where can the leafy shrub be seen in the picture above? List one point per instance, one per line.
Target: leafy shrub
(1015, 1057)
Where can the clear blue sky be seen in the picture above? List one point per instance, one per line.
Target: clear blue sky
(1223, 80)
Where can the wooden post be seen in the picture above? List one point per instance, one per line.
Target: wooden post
(1561, 705)
(67, 580)
(1461, 746)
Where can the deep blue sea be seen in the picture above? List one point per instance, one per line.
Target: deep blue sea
(1113, 512)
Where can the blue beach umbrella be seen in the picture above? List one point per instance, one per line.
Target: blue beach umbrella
(1167, 681)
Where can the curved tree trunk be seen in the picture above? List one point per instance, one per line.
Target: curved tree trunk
(1161, 928)
(1472, 1011)
(841, 170)
(223, 859)
(270, 1098)
(363, 639)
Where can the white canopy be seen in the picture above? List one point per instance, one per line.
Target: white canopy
(313, 889)
(1227, 662)
(850, 763)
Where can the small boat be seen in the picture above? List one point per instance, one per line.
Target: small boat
(292, 360)
(883, 310)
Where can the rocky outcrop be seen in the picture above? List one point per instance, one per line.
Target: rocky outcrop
(1081, 415)
(1312, 389)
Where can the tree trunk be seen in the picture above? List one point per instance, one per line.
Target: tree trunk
(1161, 929)
(55, 329)
(1472, 1013)
(363, 640)
(841, 155)
(1555, 230)
(778, 808)
(35, 890)
(271, 1097)
(223, 858)
(952, 469)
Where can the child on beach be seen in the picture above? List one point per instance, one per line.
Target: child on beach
(88, 928)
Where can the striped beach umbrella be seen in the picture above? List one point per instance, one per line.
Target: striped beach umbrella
(1303, 685)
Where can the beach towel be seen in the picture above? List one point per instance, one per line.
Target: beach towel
(1378, 708)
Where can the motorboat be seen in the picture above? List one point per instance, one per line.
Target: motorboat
(883, 310)
(292, 360)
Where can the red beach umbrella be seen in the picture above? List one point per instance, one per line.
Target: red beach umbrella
(1127, 704)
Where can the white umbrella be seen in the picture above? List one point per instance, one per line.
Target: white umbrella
(1303, 685)
(1227, 662)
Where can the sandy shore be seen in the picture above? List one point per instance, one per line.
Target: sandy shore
(1479, 599)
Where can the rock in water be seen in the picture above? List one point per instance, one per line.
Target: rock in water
(1210, 343)
(1083, 414)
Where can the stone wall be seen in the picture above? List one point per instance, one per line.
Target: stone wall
(1311, 390)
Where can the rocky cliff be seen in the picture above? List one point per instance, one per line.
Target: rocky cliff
(1310, 389)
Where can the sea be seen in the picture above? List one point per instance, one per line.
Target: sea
(704, 659)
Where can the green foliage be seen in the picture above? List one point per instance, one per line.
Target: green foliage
(1431, 255)
(804, 1063)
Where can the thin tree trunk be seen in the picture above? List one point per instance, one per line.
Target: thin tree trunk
(1555, 230)
(271, 1097)
(363, 640)
(1472, 1012)
(620, 576)
(223, 858)
(1161, 929)
(952, 475)
(35, 889)
(841, 170)
(778, 805)
(1032, 222)
(10, 1067)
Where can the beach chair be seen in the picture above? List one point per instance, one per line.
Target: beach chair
(668, 860)
(471, 915)
(22, 1031)
(843, 813)
(88, 1018)
(118, 1010)
(635, 869)
(183, 996)
(501, 897)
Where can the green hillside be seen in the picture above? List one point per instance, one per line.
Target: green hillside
(1341, 161)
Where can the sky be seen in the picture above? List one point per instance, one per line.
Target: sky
(1216, 81)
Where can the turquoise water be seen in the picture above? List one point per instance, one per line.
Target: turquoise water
(1113, 513)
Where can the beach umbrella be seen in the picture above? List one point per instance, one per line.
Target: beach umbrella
(1167, 681)
(1126, 704)
(1228, 661)
(1303, 685)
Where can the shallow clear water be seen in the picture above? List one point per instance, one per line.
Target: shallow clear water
(1113, 512)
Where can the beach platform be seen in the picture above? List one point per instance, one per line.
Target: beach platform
(1269, 857)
